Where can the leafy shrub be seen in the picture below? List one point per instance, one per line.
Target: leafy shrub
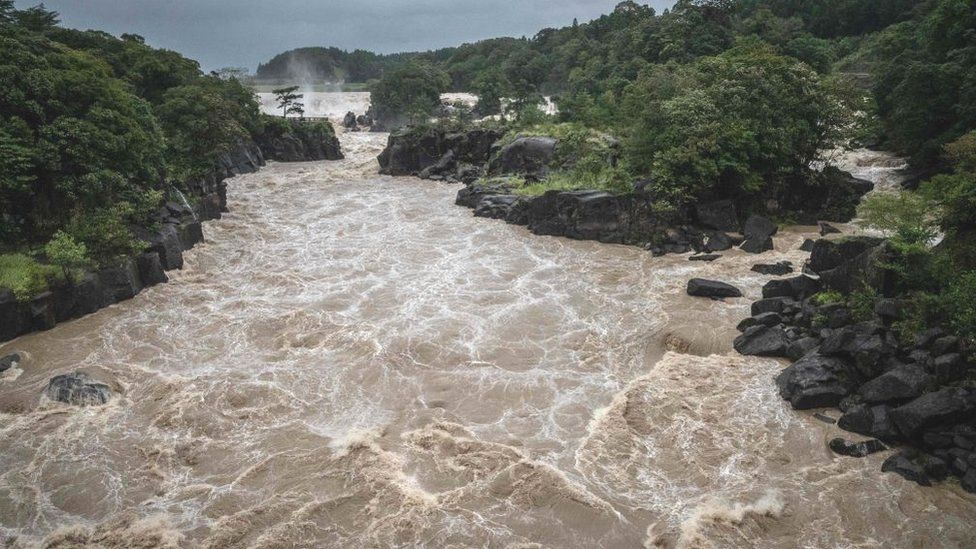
(65, 252)
(828, 297)
(25, 276)
(105, 233)
(960, 304)
(909, 217)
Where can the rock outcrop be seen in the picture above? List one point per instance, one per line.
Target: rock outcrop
(178, 228)
(919, 393)
(437, 153)
(78, 389)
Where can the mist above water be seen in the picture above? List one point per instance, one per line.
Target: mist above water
(351, 360)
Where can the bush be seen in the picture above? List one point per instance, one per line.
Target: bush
(960, 305)
(25, 276)
(105, 233)
(63, 251)
(908, 217)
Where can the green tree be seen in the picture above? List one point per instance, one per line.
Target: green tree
(288, 101)
(409, 93)
(63, 251)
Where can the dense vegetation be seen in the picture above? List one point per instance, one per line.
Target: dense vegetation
(95, 132)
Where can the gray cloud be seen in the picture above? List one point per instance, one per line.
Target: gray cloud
(221, 33)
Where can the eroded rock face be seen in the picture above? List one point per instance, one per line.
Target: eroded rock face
(528, 156)
(414, 149)
(9, 361)
(78, 389)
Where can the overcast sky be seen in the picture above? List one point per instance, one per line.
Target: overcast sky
(221, 33)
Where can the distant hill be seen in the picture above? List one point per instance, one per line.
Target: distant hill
(336, 65)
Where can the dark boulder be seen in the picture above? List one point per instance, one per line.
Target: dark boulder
(78, 389)
(771, 305)
(916, 467)
(719, 215)
(775, 269)
(757, 245)
(349, 121)
(708, 258)
(898, 384)
(827, 228)
(951, 367)
(41, 311)
(946, 406)
(191, 233)
(808, 245)
(167, 244)
(412, 149)
(763, 341)
(800, 287)
(830, 254)
(759, 227)
(968, 481)
(445, 167)
(815, 381)
(700, 287)
(799, 348)
(9, 361)
(151, 269)
(119, 283)
(12, 317)
(597, 215)
(529, 156)
(717, 242)
(471, 195)
(766, 319)
(856, 449)
(871, 421)
(497, 206)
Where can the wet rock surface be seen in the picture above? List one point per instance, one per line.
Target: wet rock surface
(699, 287)
(78, 389)
(914, 394)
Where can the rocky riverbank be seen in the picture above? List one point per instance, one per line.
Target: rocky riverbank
(491, 170)
(178, 228)
(918, 394)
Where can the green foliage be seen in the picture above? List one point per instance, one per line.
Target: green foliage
(909, 217)
(861, 304)
(63, 251)
(490, 87)
(25, 276)
(926, 84)
(288, 101)
(201, 121)
(105, 233)
(736, 124)
(960, 305)
(828, 297)
(409, 94)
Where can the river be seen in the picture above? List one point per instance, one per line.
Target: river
(350, 360)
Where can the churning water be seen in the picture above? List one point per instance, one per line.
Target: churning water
(353, 361)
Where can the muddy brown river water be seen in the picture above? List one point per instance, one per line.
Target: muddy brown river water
(353, 361)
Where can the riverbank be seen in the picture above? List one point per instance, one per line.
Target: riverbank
(555, 392)
(178, 228)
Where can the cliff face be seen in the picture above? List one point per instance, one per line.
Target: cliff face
(178, 228)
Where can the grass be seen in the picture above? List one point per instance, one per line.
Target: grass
(25, 276)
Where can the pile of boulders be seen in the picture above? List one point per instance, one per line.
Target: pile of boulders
(918, 394)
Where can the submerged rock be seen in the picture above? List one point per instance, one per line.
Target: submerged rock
(9, 361)
(79, 389)
(916, 467)
(699, 287)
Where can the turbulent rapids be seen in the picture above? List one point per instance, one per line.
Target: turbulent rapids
(351, 360)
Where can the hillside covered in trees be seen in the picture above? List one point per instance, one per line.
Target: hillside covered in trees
(103, 142)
